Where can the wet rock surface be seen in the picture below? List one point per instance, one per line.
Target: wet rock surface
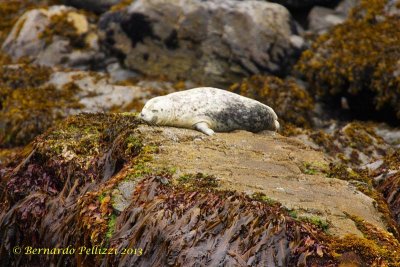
(213, 42)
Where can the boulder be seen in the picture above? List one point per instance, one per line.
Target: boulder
(57, 35)
(345, 6)
(344, 67)
(284, 169)
(97, 6)
(176, 197)
(320, 19)
(304, 3)
(211, 42)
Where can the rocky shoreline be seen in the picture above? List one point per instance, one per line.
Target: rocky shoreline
(78, 168)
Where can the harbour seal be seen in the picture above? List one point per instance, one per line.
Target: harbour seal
(208, 109)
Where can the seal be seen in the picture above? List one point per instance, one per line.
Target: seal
(208, 109)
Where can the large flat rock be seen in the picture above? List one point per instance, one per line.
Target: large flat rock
(267, 163)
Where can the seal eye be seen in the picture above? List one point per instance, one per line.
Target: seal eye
(154, 111)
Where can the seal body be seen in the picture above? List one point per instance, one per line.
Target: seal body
(210, 109)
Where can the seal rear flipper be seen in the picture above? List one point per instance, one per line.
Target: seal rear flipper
(203, 127)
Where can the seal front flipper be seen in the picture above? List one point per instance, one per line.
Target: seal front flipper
(203, 127)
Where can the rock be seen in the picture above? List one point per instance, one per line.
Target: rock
(304, 3)
(119, 74)
(356, 143)
(392, 8)
(289, 99)
(54, 96)
(57, 35)
(321, 19)
(97, 94)
(97, 6)
(345, 6)
(343, 64)
(277, 166)
(389, 134)
(387, 180)
(107, 179)
(212, 42)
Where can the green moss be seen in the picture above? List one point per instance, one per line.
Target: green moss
(259, 196)
(111, 226)
(293, 214)
(317, 221)
(133, 143)
(292, 104)
(358, 59)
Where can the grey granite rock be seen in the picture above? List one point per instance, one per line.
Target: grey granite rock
(211, 42)
(58, 35)
(321, 19)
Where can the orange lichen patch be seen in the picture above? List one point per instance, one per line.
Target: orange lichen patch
(358, 58)
(292, 104)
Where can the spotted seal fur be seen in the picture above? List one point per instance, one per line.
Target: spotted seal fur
(208, 109)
